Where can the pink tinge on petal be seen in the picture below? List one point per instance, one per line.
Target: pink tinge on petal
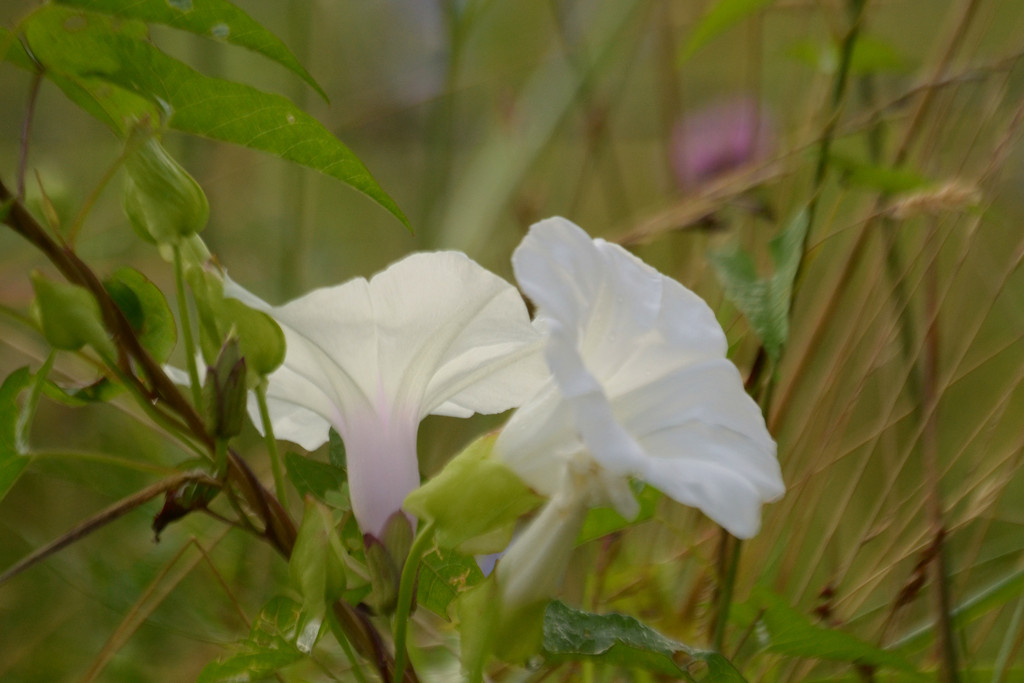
(380, 454)
(718, 138)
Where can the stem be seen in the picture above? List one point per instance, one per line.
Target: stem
(856, 9)
(405, 595)
(339, 635)
(104, 459)
(26, 130)
(946, 644)
(90, 201)
(220, 457)
(725, 589)
(186, 329)
(271, 441)
(101, 519)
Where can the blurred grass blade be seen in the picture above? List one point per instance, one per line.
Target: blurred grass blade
(497, 167)
(99, 520)
(217, 19)
(982, 603)
(792, 633)
(723, 15)
(151, 599)
(86, 48)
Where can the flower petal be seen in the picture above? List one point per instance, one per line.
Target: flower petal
(435, 332)
(639, 364)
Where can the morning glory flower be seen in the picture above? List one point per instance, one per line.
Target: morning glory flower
(639, 386)
(435, 333)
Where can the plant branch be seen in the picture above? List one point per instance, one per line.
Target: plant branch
(26, 130)
(279, 529)
(101, 519)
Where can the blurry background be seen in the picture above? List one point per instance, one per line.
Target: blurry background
(479, 117)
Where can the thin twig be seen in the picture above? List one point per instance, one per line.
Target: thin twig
(101, 519)
(945, 644)
(26, 131)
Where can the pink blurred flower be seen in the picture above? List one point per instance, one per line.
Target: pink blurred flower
(718, 138)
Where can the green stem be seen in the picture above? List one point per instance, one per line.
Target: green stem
(220, 457)
(268, 437)
(339, 635)
(405, 595)
(158, 414)
(90, 201)
(186, 330)
(725, 591)
(856, 10)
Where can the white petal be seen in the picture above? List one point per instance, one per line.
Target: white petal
(435, 332)
(534, 565)
(639, 364)
(380, 453)
(539, 439)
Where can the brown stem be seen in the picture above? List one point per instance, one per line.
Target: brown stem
(945, 643)
(101, 519)
(279, 529)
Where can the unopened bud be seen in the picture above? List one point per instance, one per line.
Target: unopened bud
(224, 392)
(163, 202)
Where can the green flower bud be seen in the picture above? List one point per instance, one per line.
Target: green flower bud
(224, 392)
(474, 501)
(163, 202)
(70, 317)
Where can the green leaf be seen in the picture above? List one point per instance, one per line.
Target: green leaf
(209, 18)
(870, 56)
(70, 316)
(12, 443)
(765, 302)
(722, 15)
(281, 621)
(790, 632)
(311, 477)
(84, 47)
(875, 177)
(472, 497)
(316, 566)
(164, 204)
(444, 574)
(336, 449)
(147, 311)
(605, 520)
(280, 636)
(248, 665)
(259, 336)
(620, 640)
(100, 391)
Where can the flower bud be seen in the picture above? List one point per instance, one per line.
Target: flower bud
(224, 392)
(163, 202)
(70, 317)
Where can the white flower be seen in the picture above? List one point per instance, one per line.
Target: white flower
(640, 387)
(434, 333)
